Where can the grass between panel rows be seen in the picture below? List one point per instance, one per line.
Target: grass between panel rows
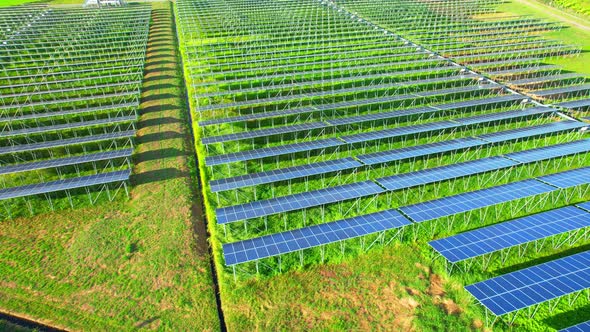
(141, 263)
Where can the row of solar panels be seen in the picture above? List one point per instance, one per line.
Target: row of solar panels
(312, 236)
(75, 111)
(407, 131)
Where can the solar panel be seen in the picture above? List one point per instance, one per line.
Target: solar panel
(537, 284)
(66, 142)
(582, 327)
(262, 133)
(575, 103)
(256, 116)
(67, 184)
(545, 78)
(479, 102)
(508, 115)
(420, 151)
(512, 233)
(568, 179)
(443, 173)
(271, 152)
(73, 125)
(382, 116)
(283, 174)
(535, 131)
(550, 152)
(296, 202)
(37, 165)
(69, 112)
(312, 236)
(473, 200)
(585, 206)
(557, 91)
(399, 131)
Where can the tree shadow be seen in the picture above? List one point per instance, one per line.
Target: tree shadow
(157, 154)
(157, 176)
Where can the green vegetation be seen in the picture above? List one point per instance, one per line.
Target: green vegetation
(577, 6)
(141, 263)
(7, 3)
(570, 35)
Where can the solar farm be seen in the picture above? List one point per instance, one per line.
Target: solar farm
(69, 101)
(433, 156)
(383, 121)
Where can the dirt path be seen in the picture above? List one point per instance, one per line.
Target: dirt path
(557, 14)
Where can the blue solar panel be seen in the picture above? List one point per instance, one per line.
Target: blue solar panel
(575, 103)
(568, 179)
(420, 150)
(382, 116)
(564, 90)
(283, 174)
(509, 115)
(521, 133)
(271, 152)
(527, 287)
(443, 173)
(479, 102)
(582, 327)
(475, 200)
(512, 233)
(399, 132)
(257, 116)
(312, 236)
(585, 206)
(66, 142)
(73, 125)
(262, 133)
(296, 202)
(11, 169)
(550, 152)
(67, 184)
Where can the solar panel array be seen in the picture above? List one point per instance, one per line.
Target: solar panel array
(70, 83)
(509, 234)
(358, 102)
(524, 288)
(582, 327)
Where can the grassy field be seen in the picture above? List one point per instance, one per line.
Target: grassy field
(571, 35)
(577, 6)
(141, 263)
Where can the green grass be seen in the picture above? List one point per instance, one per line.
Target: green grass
(141, 263)
(577, 6)
(571, 35)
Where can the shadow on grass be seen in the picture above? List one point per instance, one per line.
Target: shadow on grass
(157, 121)
(156, 87)
(158, 108)
(157, 176)
(161, 96)
(568, 252)
(569, 318)
(157, 154)
(156, 137)
(158, 78)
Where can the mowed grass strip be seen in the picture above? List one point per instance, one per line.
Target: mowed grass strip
(127, 264)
